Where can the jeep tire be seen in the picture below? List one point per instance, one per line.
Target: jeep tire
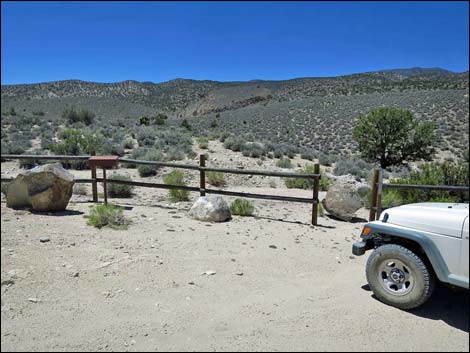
(398, 277)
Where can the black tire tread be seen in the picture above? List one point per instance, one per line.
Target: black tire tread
(428, 275)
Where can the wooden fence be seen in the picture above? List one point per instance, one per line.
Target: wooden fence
(378, 186)
(202, 189)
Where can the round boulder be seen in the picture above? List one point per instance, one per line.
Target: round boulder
(342, 201)
(210, 209)
(46, 187)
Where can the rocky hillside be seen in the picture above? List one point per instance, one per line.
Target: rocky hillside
(317, 112)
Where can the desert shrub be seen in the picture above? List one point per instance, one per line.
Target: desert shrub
(215, 178)
(284, 163)
(120, 190)
(146, 170)
(176, 177)
(358, 168)
(391, 198)
(203, 142)
(242, 207)
(174, 138)
(445, 173)
(223, 136)
(304, 183)
(365, 193)
(325, 159)
(75, 142)
(111, 148)
(129, 143)
(107, 215)
(253, 149)
(234, 143)
(71, 115)
(308, 153)
(31, 163)
(174, 154)
(186, 125)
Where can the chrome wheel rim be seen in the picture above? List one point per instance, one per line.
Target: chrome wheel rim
(396, 277)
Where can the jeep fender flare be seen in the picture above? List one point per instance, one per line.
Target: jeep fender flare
(421, 238)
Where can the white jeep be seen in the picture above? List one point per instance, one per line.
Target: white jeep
(413, 246)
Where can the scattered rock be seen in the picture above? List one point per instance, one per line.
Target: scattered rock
(209, 273)
(210, 209)
(34, 300)
(46, 187)
(74, 274)
(44, 239)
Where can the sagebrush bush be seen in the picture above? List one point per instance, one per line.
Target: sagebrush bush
(72, 115)
(176, 177)
(358, 168)
(107, 215)
(284, 163)
(203, 142)
(241, 207)
(391, 198)
(146, 170)
(445, 173)
(304, 183)
(215, 178)
(119, 190)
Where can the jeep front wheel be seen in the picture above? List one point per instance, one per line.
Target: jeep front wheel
(399, 277)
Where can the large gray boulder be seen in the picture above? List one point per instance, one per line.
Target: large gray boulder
(210, 209)
(46, 187)
(342, 201)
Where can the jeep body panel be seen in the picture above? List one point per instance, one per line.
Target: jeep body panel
(440, 218)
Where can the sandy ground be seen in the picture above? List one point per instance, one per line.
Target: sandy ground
(280, 283)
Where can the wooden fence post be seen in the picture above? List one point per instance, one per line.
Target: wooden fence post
(316, 186)
(105, 187)
(379, 194)
(94, 184)
(373, 195)
(202, 174)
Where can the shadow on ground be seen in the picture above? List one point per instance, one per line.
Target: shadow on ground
(59, 213)
(354, 220)
(446, 304)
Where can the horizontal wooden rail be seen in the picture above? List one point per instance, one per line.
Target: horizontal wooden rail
(44, 157)
(264, 197)
(148, 185)
(426, 187)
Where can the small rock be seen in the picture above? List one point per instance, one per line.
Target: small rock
(209, 273)
(74, 274)
(239, 273)
(44, 239)
(273, 246)
(34, 300)
(191, 283)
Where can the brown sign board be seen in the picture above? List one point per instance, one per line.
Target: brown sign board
(104, 161)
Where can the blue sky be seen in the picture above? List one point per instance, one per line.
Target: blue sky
(226, 41)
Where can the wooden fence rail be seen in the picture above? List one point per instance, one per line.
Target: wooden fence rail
(378, 186)
(202, 168)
